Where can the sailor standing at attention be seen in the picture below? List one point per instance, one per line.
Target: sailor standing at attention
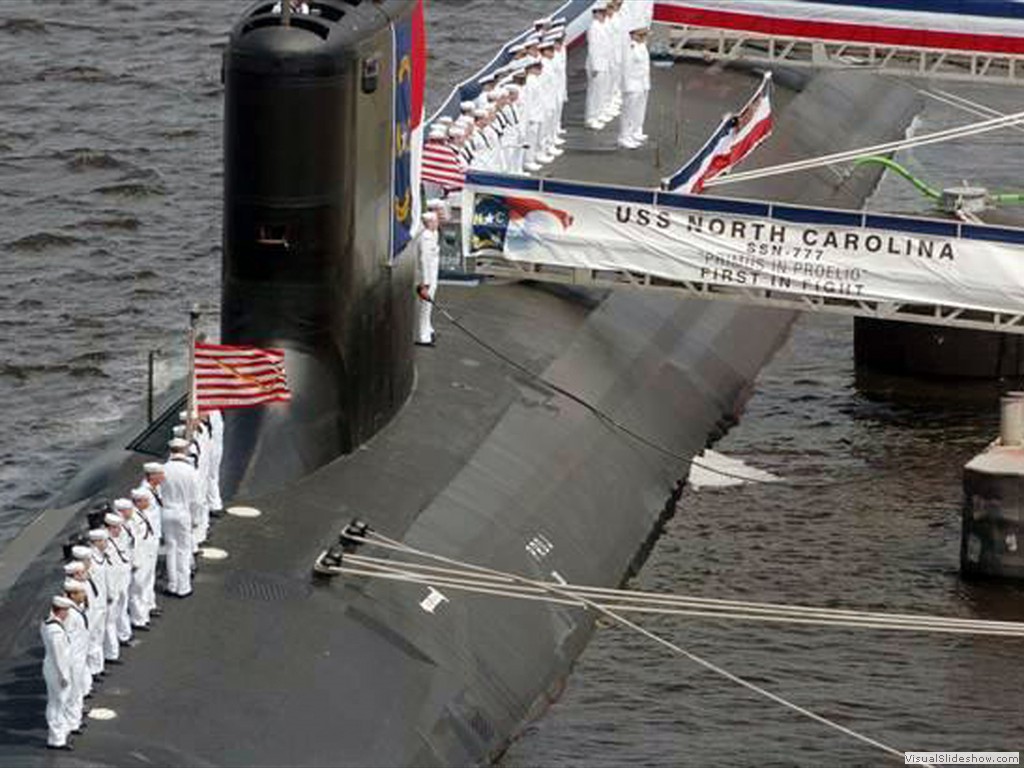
(180, 494)
(79, 571)
(141, 594)
(551, 89)
(99, 569)
(57, 672)
(152, 477)
(636, 85)
(119, 575)
(486, 88)
(516, 132)
(427, 264)
(201, 452)
(557, 36)
(534, 100)
(616, 46)
(298, 6)
(213, 423)
(598, 67)
(77, 626)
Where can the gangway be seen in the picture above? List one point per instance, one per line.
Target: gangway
(973, 43)
(927, 314)
(912, 269)
(705, 44)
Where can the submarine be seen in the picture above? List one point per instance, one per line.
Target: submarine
(448, 449)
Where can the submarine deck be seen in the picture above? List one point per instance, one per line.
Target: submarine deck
(247, 671)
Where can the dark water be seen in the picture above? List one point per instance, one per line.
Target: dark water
(885, 537)
(110, 186)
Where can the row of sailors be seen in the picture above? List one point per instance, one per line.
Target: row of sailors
(109, 587)
(618, 64)
(515, 124)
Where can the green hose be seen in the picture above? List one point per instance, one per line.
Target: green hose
(1009, 197)
(892, 165)
(1004, 198)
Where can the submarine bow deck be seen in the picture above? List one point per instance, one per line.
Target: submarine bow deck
(264, 666)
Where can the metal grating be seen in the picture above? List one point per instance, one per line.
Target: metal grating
(266, 587)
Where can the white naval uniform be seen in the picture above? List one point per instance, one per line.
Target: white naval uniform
(147, 547)
(533, 113)
(643, 11)
(216, 449)
(99, 606)
(549, 91)
(483, 150)
(518, 138)
(180, 494)
(77, 626)
(201, 524)
(494, 162)
(155, 513)
(561, 79)
(428, 259)
(636, 85)
(119, 575)
(509, 135)
(598, 69)
(480, 102)
(617, 37)
(57, 674)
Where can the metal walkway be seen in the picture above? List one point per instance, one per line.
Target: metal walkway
(956, 274)
(707, 44)
(927, 314)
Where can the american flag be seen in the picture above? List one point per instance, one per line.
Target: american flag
(239, 377)
(442, 165)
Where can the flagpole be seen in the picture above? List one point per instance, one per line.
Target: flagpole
(193, 322)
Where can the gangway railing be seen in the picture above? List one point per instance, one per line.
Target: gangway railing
(857, 263)
(495, 267)
(712, 45)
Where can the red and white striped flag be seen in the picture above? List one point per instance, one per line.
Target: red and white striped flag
(442, 165)
(737, 136)
(239, 377)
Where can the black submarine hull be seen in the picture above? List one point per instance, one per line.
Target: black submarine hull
(468, 458)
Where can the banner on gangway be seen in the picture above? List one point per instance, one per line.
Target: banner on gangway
(746, 244)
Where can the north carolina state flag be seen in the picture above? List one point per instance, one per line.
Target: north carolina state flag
(410, 68)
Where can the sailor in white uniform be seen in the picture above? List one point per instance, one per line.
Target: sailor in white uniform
(200, 453)
(440, 207)
(598, 67)
(486, 87)
(427, 265)
(642, 12)
(483, 142)
(516, 132)
(616, 48)
(551, 90)
(298, 6)
(152, 477)
(119, 574)
(79, 571)
(57, 672)
(180, 494)
(215, 431)
(141, 594)
(557, 36)
(534, 101)
(77, 626)
(98, 571)
(636, 85)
